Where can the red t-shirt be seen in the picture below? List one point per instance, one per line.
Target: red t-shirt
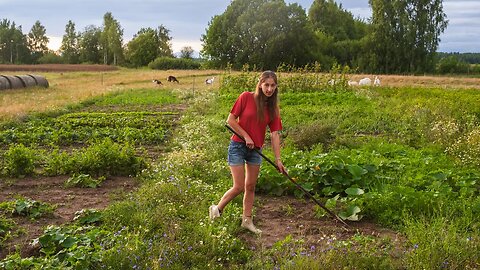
(246, 111)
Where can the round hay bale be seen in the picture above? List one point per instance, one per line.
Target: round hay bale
(27, 80)
(15, 82)
(4, 83)
(40, 80)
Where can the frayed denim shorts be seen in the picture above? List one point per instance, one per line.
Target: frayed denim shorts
(239, 154)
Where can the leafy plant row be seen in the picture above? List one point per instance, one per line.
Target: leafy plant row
(80, 128)
(102, 158)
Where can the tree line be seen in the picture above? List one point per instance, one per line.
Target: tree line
(401, 37)
(94, 45)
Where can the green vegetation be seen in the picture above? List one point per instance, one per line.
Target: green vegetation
(401, 37)
(26, 207)
(406, 158)
(165, 63)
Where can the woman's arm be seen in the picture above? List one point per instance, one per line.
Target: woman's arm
(275, 137)
(232, 122)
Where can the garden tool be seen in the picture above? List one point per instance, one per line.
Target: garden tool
(291, 179)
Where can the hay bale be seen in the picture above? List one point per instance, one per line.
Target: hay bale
(4, 83)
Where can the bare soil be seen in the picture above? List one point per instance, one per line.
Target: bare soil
(279, 217)
(67, 201)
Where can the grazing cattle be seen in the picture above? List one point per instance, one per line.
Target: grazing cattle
(210, 81)
(157, 81)
(376, 82)
(172, 79)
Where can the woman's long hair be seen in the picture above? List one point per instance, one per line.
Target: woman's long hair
(261, 100)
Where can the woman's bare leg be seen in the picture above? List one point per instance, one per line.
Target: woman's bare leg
(238, 175)
(250, 182)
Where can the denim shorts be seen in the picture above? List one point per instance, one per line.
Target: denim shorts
(239, 153)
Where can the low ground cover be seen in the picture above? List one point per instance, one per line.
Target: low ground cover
(377, 150)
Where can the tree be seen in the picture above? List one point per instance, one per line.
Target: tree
(69, 47)
(13, 43)
(339, 26)
(149, 44)
(112, 40)
(186, 52)
(248, 33)
(89, 45)
(37, 41)
(406, 34)
(164, 42)
(330, 18)
(143, 48)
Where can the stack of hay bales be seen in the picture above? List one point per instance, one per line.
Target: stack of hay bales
(22, 81)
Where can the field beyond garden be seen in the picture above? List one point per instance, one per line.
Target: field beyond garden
(105, 169)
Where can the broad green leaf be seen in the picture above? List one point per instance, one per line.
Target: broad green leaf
(68, 242)
(351, 213)
(354, 191)
(307, 186)
(356, 170)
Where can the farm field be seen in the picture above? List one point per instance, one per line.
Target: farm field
(398, 162)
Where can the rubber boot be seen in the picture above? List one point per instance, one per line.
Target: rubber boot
(247, 223)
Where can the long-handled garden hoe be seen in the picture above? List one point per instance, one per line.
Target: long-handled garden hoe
(293, 181)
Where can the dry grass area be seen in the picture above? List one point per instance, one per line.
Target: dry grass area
(86, 81)
(73, 87)
(424, 81)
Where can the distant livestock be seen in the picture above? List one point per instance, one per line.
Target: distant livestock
(172, 79)
(376, 82)
(365, 82)
(158, 82)
(352, 83)
(210, 81)
(22, 81)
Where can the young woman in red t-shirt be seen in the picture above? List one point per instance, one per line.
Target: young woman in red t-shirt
(249, 117)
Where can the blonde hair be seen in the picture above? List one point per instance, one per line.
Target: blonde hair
(261, 99)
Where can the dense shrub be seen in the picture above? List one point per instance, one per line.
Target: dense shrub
(164, 63)
(304, 137)
(452, 65)
(19, 160)
(51, 58)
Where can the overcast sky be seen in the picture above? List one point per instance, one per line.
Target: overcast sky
(188, 19)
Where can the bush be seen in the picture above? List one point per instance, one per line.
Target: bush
(108, 158)
(51, 58)
(451, 65)
(467, 148)
(19, 161)
(164, 63)
(304, 137)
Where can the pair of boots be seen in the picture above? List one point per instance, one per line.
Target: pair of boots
(247, 222)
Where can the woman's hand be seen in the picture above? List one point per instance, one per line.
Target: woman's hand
(249, 142)
(280, 166)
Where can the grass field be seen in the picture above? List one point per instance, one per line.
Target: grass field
(398, 162)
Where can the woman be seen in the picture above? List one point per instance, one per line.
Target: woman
(249, 117)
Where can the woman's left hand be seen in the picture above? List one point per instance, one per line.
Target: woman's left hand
(280, 167)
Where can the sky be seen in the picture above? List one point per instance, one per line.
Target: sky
(187, 20)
